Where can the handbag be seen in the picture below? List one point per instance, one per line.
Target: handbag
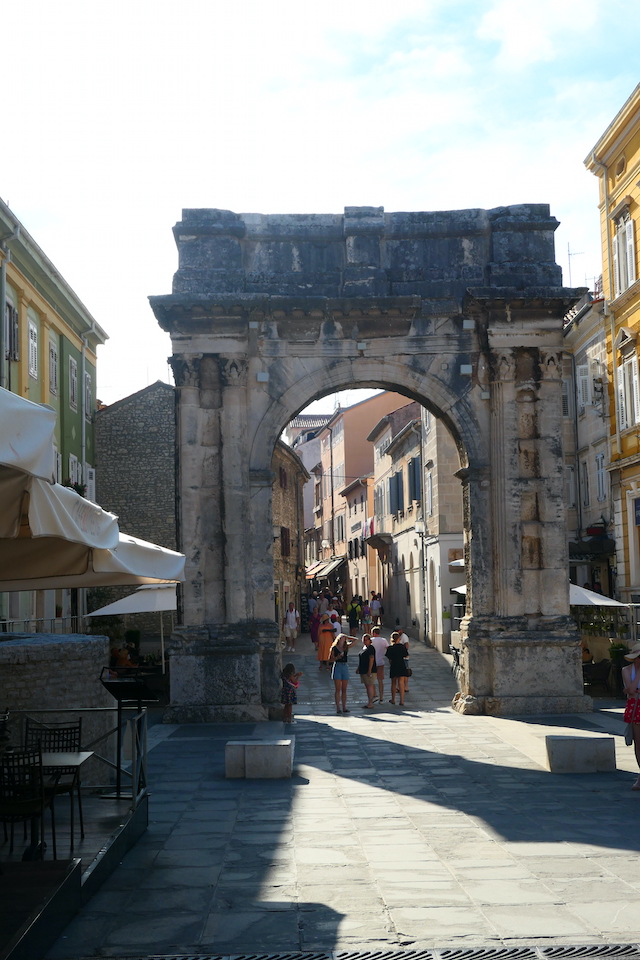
(409, 672)
(628, 734)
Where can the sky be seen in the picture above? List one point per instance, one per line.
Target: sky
(118, 115)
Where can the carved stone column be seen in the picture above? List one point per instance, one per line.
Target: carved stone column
(521, 657)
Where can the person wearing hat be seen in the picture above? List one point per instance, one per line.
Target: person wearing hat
(631, 686)
(326, 636)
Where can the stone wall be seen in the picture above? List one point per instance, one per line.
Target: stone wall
(59, 673)
(135, 478)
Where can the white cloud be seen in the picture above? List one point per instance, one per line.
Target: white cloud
(529, 33)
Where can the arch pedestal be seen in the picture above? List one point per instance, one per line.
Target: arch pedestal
(270, 313)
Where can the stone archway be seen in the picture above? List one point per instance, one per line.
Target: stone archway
(461, 311)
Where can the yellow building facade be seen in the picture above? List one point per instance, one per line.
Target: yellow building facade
(615, 160)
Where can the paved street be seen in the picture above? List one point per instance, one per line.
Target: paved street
(412, 828)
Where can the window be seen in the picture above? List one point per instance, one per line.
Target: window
(628, 392)
(53, 367)
(88, 405)
(73, 383)
(584, 470)
(283, 478)
(11, 332)
(285, 542)
(338, 476)
(624, 255)
(601, 477)
(33, 349)
(338, 527)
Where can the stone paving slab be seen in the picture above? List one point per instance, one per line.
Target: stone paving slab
(399, 829)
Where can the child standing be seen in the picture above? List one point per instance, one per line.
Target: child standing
(289, 694)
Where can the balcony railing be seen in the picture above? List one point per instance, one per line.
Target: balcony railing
(41, 625)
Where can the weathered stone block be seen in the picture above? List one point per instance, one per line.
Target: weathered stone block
(259, 759)
(566, 754)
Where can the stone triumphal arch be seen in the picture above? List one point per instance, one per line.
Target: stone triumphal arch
(461, 311)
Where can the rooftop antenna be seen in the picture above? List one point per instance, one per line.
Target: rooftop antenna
(569, 255)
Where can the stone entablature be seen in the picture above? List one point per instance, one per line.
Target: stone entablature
(461, 311)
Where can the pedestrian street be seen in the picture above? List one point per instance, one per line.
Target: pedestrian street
(413, 828)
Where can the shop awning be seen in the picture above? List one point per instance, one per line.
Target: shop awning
(331, 566)
(26, 440)
(591, 549)
(461, 589)
(314, 569)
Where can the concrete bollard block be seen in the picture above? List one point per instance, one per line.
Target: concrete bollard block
(259, 759)
(272, 760)
(580, 754)
(234, 759)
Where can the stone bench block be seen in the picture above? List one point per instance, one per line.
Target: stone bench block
(580, 754)
(259, 759)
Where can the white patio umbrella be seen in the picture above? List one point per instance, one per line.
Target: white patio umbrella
(578, 596)
(148, 599)
(581, 597)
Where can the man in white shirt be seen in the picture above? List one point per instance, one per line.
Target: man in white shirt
(379, 644)
(291, 625)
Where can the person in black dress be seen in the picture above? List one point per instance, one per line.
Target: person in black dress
(396, 654)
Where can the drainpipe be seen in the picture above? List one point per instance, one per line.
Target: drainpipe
(612, 325)
(83, 442)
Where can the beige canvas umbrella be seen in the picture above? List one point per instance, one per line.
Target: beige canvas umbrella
(50, 536)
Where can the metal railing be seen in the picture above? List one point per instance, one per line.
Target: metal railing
(41, 625)
(134, 734)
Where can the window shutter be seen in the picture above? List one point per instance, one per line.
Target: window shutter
(417, 478)
(566, 408)
(601, 477)
(33, 350)
(635, 387)
(53, 367)
(617, 289)
(570, 483)
(393, 494)
(400, 485)
(622, 406)
(15, 334)
(430, 494)
(90, 474)
(584, 393)
(630, 253)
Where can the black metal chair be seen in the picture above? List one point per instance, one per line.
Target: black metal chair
(59, 738)
(595, 674)
(22, 794)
